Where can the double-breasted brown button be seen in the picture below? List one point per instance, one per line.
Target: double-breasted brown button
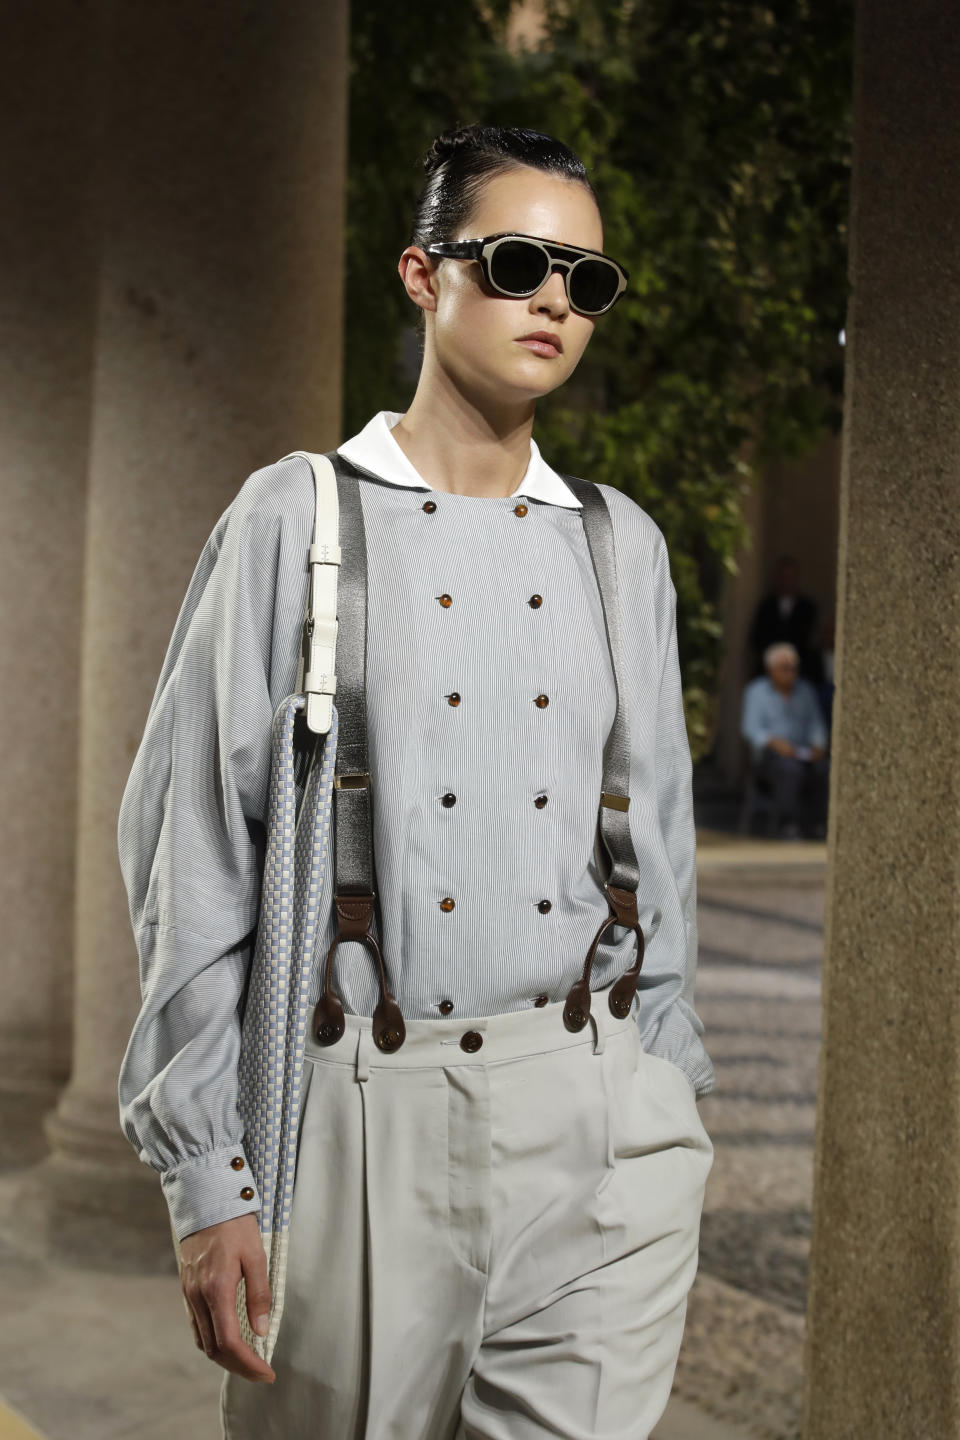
(237, 1162)
(535, 601)
(453, 698)
(247, 1192)
(542, 1000)
(445, 600)
(542, 700)
(520, 509)
(543, 906)
(540, 801)
(445, 1007)
(429, 506)
(471, 1041)
(449, 799)
(447, 903)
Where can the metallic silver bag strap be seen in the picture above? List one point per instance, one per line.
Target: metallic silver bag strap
(354, 864)
(615, 787)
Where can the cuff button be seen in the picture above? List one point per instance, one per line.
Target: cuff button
(237, 1162)
(246, 1193)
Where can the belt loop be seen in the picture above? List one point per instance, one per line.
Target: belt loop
(363, 1053)
(599, 1023)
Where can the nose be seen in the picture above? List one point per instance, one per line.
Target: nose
(552, 295)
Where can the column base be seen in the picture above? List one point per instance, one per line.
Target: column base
(90, 1202)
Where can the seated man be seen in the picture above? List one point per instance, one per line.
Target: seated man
(782, 720)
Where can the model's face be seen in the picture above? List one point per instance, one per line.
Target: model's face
(475, 331)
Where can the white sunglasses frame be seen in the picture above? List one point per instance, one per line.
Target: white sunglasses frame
(482, 250)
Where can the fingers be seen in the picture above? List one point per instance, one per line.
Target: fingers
(214, 1317)
(254, 1263)
(212, 1262)
(193, 1322)
(203, 1326)
(232, 1352)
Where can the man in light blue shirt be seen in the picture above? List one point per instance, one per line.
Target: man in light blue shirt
(782, 720)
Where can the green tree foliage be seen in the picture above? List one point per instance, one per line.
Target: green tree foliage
(717, 136)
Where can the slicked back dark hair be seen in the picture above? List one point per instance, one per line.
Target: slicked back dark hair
(461, 161)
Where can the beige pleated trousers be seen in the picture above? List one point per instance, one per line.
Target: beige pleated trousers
(487, 1243)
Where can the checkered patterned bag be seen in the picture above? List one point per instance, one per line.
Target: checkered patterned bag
(276, 1015)
(275, 1019)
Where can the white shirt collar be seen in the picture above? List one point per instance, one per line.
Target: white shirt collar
(376, 450)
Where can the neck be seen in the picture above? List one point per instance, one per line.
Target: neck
(461, 448)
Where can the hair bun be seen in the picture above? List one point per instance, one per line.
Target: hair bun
(462, 137)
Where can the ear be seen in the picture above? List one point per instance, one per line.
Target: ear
(417, 271)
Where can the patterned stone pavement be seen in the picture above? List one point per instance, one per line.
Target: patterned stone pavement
(758, 994)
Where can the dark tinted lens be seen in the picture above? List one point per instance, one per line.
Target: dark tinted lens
(518, 267)
(593, 284)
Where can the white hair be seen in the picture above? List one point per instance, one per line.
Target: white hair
(780, 647)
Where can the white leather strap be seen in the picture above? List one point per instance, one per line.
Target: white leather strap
(316, 676)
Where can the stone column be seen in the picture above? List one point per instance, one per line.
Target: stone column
(219, 337)
(47, 302)
(883, 1333)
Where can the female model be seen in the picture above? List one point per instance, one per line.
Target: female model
(495, 1226)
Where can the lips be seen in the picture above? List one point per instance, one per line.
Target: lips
(543, 342)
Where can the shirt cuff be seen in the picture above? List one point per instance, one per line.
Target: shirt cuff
(205, 1189)
(678, 1042)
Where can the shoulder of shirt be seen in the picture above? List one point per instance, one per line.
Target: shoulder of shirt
(281, 491)
(631, 518)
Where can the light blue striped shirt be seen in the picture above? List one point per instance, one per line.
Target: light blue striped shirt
(766, 713)
(192, 819)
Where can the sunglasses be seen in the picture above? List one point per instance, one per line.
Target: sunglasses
(518, 265)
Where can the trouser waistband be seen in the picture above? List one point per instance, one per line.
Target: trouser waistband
(477, 1040)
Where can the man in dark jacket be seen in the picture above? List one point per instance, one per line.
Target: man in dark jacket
(786, 614)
